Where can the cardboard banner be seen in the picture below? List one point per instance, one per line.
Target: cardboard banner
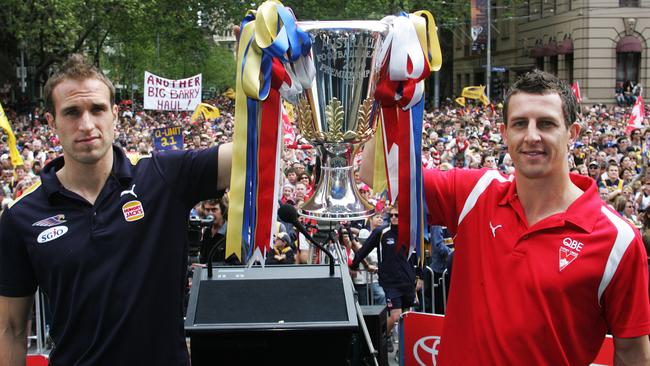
(420, 335)
(172, 95)
(168, 138)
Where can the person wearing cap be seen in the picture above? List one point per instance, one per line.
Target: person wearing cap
(397, 276)
(542, 267)
(103, 238)
(282, 252)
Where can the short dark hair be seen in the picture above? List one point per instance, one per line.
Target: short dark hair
(540, 82)
(75, 68)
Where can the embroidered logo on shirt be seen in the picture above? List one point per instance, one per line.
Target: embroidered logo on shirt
(133, 211)
(51, 221)
(390, 241)
(494, 229)
(129, 191)
(569, 252)
(51, 234)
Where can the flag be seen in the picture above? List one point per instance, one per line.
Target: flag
(473, 92)
(207, 111)
(476, 92)
(288, 132)
(576, 91)
(379, 179)
(638, 113)
(461, 101)
(16, 159)
(229, 93)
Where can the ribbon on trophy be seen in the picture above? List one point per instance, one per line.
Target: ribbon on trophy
(409, 55)
(271, 61)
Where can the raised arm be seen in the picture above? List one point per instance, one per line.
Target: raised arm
(367, 167)
(14, 313)
(224, 166)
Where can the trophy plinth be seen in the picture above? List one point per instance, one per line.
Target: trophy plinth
(338, 112)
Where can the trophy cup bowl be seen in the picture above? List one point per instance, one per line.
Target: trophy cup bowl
(338, 112)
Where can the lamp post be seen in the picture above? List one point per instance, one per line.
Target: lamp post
(22, 70)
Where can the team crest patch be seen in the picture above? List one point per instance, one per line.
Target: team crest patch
(133, 211)
(51, 221)
(566, 257)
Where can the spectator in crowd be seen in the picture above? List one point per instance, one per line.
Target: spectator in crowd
(214, 234)
(619, 94)
(281, 253)
(396, 274)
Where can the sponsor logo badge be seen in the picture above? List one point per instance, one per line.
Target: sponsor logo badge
(51, 221)
(51, 234)
(133, 211)
(569, 251)
(425, 350)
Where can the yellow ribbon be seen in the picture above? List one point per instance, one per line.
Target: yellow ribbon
(237, 179)
(425, 27)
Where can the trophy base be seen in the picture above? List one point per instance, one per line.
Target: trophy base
(336, 197)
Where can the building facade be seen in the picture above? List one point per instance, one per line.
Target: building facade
(597, 43)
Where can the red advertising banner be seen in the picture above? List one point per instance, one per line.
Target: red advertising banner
(420, 335)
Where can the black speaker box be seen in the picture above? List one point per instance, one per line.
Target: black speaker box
(375, 317)
(295, 314)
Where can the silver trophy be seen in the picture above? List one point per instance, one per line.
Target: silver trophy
(338, 113)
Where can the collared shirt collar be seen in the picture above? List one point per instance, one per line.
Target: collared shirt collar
(577, 212)
(121, 170)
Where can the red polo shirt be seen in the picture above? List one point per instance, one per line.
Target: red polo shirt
(539, 295)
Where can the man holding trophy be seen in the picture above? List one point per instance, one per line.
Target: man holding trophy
(535, 279)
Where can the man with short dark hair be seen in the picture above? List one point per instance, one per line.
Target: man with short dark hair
(542, 267)
(103, 238)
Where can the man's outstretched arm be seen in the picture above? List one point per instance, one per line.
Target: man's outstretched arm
(367, 167)
(224, 166)
(632, 351)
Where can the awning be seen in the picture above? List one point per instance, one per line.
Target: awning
(550, 49)
(629, 44)
(565, 47)
(537, 52)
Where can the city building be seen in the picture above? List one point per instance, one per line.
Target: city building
(597, 43)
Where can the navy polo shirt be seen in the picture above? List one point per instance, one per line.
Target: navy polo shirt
(114, 272)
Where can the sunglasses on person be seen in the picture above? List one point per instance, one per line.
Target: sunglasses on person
(392, 215)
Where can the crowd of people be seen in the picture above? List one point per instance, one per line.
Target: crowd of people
(603, 149)
(454, 136)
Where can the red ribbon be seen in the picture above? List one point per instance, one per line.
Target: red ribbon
(386, 93)
(267, 149)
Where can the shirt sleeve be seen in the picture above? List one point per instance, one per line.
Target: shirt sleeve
(625, 301)
(192, 173)
(446, 192)
(371, 242)
(17, 278)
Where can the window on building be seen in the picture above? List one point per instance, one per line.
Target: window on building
(627, 66)
(459, 83)
(628, 3)
(568, 66)
(552, 65)
(539, 63)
